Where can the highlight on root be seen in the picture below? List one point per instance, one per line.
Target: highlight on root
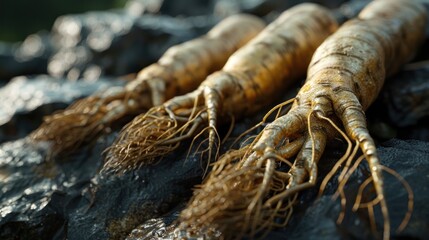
(344, 77)
(231, 200)
(265, 66)
(179, 70)
(152, 136)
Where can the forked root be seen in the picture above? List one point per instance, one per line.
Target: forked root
(240, 197)
(248, 191)
(378, 199)
(232, 199)
(153, 135)
(345, 174)
(351, 164)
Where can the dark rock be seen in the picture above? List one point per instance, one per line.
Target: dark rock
(42, 199)
(36, 195)
(122, 203)
(349, 10)
(407, 95)
(402, 109)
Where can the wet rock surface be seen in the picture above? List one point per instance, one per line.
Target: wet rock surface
(407, 95)
(67, 197)
(37, 195)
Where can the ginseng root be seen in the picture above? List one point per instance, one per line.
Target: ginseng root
(180, 70)
(252, 77)
(251, 187)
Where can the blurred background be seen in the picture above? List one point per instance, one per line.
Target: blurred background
(93, 38)
(19, 18)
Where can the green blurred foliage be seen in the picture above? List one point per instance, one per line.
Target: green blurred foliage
(19, 18)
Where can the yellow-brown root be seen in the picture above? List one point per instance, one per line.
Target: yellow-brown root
(231, 199)
(180, 70)
(151, 136)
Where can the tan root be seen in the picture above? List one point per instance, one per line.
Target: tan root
(265, 66)
(180, 70)
(344, 77)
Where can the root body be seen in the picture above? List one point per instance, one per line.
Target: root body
(180, 70)
(265, 66)
(249, 188)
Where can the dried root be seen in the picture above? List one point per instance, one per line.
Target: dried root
(153, 135)
(231, 200)
(344, 77)
(265, 66)
(180, 70)
(86, 118)
(247, 193)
